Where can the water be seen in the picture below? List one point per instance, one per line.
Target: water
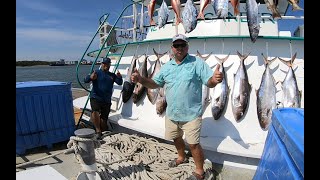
(54, 73)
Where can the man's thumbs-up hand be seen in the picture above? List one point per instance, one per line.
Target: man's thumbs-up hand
(217, 75)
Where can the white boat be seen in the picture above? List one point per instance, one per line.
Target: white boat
(225, 141)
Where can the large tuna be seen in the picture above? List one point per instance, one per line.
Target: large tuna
(266, 96)
(139, 89)
(128, 86)
(206, 99)
(163, 14)
(252, 19)
(241, 90)
(153, 93)
(189, 16)
(220, 92)
(221, 8)
(291, 93)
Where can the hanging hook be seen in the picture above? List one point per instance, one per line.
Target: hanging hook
(222, 45)
(241, 45)
(267, 49)
(137, 49)
(290, 48)
(204, 46)
(147, 48)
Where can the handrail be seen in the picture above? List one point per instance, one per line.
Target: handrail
(118, 62)
(114, 70)
(77, 68)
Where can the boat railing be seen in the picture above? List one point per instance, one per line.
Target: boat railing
(102, 22)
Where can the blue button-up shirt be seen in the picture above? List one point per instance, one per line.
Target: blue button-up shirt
(183, 87)
(102, 87)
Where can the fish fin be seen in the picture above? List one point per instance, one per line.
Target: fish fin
(274, 69)
(283, 71)
(203, 57)
(243, 57)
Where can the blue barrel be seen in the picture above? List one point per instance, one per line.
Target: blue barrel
(44, 114)
(283, 153)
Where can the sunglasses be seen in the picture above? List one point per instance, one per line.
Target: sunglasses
(179, 45)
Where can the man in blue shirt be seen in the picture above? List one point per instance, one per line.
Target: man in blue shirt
(183, 76)
(100, 98)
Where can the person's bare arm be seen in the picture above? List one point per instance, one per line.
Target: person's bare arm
(147, 82)
(216, 77)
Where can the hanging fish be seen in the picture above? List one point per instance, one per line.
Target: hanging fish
(252, 18)
(291, 93)
(153, 93)
(189, 16)
(139, 89)
(128, 86)
(221, 8)
(206, 99)
(161, 102)
(220, 92)
(266, 96)
(175, 4)
(163, 14)
(241, 90)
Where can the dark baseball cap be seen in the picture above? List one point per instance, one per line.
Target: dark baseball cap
(106, 60)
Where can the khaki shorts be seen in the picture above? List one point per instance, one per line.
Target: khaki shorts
(175, 129)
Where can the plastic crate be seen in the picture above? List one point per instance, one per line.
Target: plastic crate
(44, 114)
(283, 153)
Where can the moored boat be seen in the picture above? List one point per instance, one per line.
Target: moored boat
(226, 140)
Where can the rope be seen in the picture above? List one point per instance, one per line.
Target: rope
(128, 157)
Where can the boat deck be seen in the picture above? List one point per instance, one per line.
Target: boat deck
(68, 166)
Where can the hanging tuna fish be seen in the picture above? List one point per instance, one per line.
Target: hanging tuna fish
(266, 96)
(189, 16)
(163, 14)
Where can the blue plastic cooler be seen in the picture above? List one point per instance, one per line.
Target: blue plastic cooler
(44, 114)
(283, 153)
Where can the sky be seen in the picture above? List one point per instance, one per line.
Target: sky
(50, 30)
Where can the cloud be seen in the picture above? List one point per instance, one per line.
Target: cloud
(51, 35)
(40, 6)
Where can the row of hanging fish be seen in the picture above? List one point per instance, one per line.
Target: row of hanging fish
(190, 13)
(155, 96)
(266, 94)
